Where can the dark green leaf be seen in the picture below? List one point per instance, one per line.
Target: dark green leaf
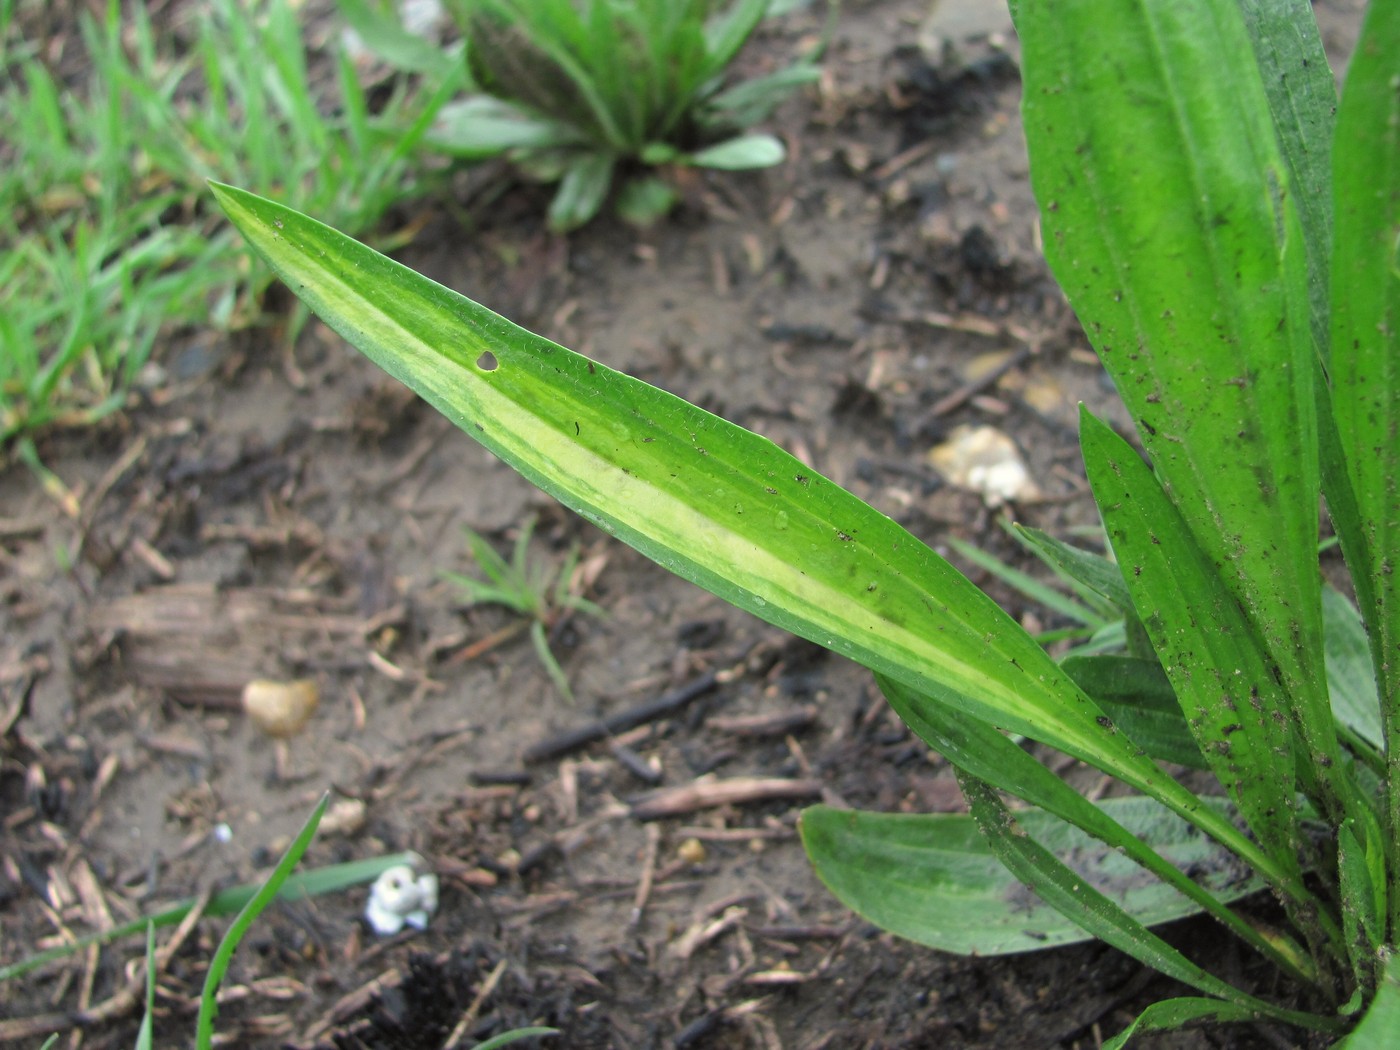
(1303, 101)
(933, 878)
(582, 191)
(1366, 354)
(1180, 247)
(1138, 696)
(1066, 890)
(1171, 1014)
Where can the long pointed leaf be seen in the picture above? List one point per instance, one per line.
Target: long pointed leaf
(1067, 891)
(706, 499)
(1302, 99)
(979, 750)
(933, 879)
(1171, 1014)
(1223, 680)
(1180, 247)
(1366, 352)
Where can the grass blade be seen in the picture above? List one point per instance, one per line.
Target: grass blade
(1176, 1013)
(267, 892)
(313, 883)
(1034, 589)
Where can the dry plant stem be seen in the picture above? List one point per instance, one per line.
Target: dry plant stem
(474, 1010)
(639, 902)
(670, 802)
(482, 646)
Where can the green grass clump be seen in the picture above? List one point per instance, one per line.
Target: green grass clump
(106, 241)
(536, 589)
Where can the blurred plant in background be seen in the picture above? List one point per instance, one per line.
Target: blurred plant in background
(589, 92)
(106, 139)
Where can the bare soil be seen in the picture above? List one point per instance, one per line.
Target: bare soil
(284, 516)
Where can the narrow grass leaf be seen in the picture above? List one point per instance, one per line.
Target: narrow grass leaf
(1040, 593)
(148, 1015)
(1171, 1014)
(266, 893)
(515, 1035)
(314, 883)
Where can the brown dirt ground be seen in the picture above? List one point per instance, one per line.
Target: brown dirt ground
(271, 516)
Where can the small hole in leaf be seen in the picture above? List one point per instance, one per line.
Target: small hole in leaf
(487, 361)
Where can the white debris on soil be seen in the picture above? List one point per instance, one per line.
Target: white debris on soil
(399, 897)
(985, 461)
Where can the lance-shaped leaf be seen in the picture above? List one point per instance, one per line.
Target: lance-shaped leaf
(1065, 889)
(1366, 352)
(1180, 247)
(1208, 648)
(980, 751)
(704, 498)
(933, 879)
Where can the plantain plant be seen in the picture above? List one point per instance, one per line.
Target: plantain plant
(586, 93)
(1228, 235)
